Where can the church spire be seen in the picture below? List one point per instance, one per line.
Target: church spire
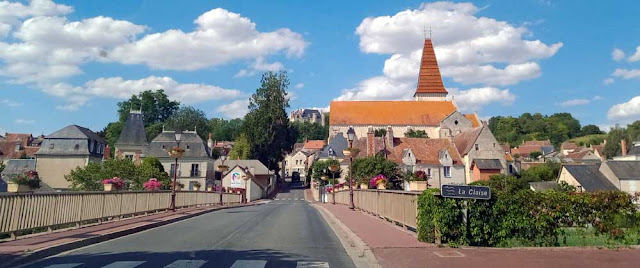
(429, 79)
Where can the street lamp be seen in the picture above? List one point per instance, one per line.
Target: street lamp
(245, 178)
(175, 153)
(334, 169)
(351, 135)
(222, 169)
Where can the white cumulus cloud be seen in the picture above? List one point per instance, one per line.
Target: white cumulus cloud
(625, 112)
(10, 103)
(617, 54)
(608, 81)
(25, 121)
(626, 73)
(474, 99)
(636, 56)
(299, 85)
(470, 49)
(575, 102)
(235, 109)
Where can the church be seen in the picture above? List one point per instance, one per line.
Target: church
(430, 111)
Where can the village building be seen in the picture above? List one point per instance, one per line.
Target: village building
(625, 175)
(631, 154)
(196, 166)
(481, 154)
(17, 167)
(585, 177)
(568, 147)
(430, 111)
(132, 141)
(65, 150)
(260, 181)
(18, 145)
(308, 116)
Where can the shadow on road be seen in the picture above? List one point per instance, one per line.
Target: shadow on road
(214, 258)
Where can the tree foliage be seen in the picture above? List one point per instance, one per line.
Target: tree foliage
(590, 130)
(381, 132)
(89, 178)
(367, 167)
(310, 131)
(416, 134)
(558, 128)
(189, 118)
(155, 106)
(225, 130)
(321, 168)
(267, 125)
(613, 146)
(242, 148)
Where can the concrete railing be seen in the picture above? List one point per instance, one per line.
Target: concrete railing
(19, 212)
(398, 206)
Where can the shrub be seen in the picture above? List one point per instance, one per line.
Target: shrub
(440, 217)
(29, 178)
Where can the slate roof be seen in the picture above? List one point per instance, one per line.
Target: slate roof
(194, 146)
(590, 177)
(465, 140)
(259, 168)
(70, 140)
(625, 170)
(634, 150)
(541, 186)
(336, 145)
(297, 147)
(399, 113)
(308, 113)
(487, 163)
(20, 166)
(133, 132)
(429, 79)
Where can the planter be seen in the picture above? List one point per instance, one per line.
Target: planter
(178, 188)
(108, 187)
(13, 187)
(364, 186)
(210, 188)
(349, 153)
(196, 188)
(230, 191)
(176, 154)
(334, 168)
(346, 153)
(381, 186)
(418, 185)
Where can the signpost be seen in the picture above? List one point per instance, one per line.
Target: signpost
(466, 191)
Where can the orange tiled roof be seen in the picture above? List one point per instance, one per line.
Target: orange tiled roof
(426, 151)
(314, 144)
(25, 139)
(429, 79)
(475, 121)
(508, 157)
(540, 143)
(526, 150)
(403, 113)
(465, 140)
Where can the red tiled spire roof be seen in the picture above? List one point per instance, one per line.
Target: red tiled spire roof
(429, 79)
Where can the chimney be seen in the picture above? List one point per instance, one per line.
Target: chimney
(137, 158)
(623, 143)
(389, 137)
(210, 142)
(107, 152)
(370, 142)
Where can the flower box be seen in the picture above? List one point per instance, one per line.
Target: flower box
(351, 152)
(13, 187)
(196, 188)
(382, 186)
(418, 185)
(108, 187)
(176, 152)
(364, 186)
(210, 188)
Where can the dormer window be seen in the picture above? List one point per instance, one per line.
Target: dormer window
(76, 147)
(51, 146)
(17, 146)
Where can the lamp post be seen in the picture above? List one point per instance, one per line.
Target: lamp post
(333, 169)
(176, 153)
(223, 169)
(351, 135)
(244, 193)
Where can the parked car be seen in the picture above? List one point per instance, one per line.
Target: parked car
(295, 176)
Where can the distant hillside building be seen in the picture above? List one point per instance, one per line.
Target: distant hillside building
(307, 115)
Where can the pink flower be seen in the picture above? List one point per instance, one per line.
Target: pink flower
(152, 185)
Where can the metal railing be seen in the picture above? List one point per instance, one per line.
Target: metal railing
(25, 211)
(397, 206)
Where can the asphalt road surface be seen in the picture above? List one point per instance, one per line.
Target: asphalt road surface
(286, 232)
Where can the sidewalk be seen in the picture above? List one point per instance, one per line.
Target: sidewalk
(36, 247)
(394, 247)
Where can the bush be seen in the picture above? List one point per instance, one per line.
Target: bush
(440, 217)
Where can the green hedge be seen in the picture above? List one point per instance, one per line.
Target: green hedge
(526, 218)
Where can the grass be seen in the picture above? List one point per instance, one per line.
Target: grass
(587, 139)
(581, 237)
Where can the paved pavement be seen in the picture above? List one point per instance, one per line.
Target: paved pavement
(286, 232)
(394, 247)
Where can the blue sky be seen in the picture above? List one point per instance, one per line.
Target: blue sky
(70, 62)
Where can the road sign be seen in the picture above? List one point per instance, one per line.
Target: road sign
(465, 191)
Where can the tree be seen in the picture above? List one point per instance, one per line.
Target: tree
(613, 147)
(189, 118)
(155, 106)
(112, 133)
(381, 132)
(546, 172)
(267, 125)
(416, 134)
(2, 166)
(89, 178)
(367, 167)
(321, 168)
(225, 130)
(633, 130)
(590, 130)
(242, 148)
(310, 131)
(535, 154)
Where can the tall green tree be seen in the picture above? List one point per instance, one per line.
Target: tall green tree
(633, 130)
(242, 148)
(613, 146)
(416, 134)
(189, 118)
(225, 130)
(267, 125)
(310, 131)
(89, 178)
(590, 130)
(155, 106)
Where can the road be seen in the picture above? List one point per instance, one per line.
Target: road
(286, 232)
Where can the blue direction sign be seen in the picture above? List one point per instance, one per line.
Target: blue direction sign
(465, 191)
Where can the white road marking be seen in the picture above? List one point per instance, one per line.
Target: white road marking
(186, 264)
(249, 264)
(312, 264)
(124, 264)
(449, 254)
(277, 198)
(64, 265)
